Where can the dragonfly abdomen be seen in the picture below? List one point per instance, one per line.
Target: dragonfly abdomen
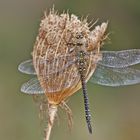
(86, 104)
(82, 70)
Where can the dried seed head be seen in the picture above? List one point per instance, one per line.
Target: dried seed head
(54, 53)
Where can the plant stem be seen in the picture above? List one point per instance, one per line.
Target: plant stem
(52, 111)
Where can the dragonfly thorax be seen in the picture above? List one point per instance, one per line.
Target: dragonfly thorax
(81, 62)
(79, 41)
(80, 50)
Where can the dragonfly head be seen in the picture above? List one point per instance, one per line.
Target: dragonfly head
(80, 41)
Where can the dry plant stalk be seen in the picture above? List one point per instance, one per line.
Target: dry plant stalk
(52, 110)
(51, 54)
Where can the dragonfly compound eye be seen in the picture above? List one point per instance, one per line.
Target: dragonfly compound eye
(79, 36)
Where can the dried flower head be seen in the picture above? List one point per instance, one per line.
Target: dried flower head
(55, 50)
(64, 57)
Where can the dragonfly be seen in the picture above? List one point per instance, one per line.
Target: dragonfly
(113, 70)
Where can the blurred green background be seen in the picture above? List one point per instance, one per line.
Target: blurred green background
(115, 111)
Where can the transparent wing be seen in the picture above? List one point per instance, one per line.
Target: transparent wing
(32, 87)
(59, 64)
(115, 76)
(55, 64)
(27, 67)
(120, 59)
(114, 59)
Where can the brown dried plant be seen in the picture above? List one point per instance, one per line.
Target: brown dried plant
(52, 50)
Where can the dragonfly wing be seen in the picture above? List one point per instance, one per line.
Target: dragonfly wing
(27, 67)
(115, 76)
(55, 65)
(32, 87)
(120, 59)
(58, 64)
